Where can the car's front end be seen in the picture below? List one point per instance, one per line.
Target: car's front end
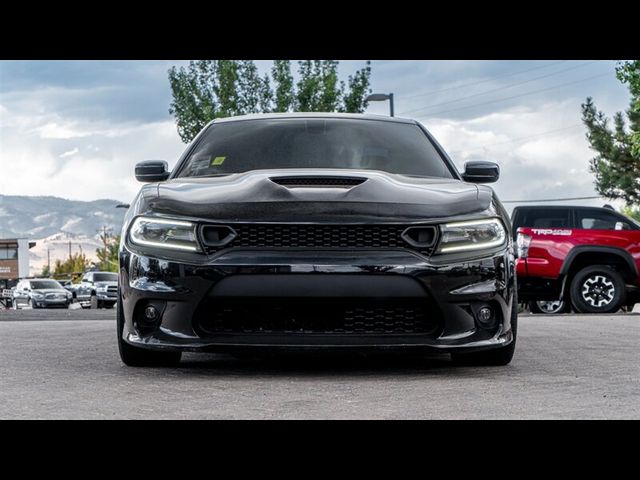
(420, 277)
(106, 293)
(316, 257)
(50, 298)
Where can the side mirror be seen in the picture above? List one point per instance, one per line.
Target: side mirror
(152, 171)
(619, 226)
(481, 172)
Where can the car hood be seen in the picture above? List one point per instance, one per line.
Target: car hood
(257, 196)
(44, 291)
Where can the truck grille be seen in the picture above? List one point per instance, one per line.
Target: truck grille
(324, 316)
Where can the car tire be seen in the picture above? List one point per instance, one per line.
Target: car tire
(598, 289)
(537, 308)
(31, 304)
(497, 356)
(133, 356)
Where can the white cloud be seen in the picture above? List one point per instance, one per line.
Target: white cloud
(77, 130)
(69, 153)
(104, 169)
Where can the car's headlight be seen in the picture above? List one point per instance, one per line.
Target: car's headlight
(37, 295)
(471, 235)
(164, 233)
(101, 289)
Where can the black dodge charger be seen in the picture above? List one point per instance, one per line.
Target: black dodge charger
(316, 231)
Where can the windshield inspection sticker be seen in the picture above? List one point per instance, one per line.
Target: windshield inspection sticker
(217, 161)
(550, 231)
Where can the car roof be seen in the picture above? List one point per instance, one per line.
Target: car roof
(297, 115)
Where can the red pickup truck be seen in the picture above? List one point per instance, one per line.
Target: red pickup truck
(585, 257)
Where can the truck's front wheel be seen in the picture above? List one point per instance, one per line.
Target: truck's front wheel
(597, 289)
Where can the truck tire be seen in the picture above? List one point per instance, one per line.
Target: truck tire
(597, 289)
(133, 356)
(549, 307)
(94, 303)
(494, 357)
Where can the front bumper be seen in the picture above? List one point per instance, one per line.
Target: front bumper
(185, 295)
(107, 297)
(51, 303)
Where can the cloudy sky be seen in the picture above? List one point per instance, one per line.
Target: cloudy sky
(75, 129)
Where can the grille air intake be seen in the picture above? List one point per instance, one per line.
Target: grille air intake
(328, 316)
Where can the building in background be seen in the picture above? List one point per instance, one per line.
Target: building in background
(14, 260)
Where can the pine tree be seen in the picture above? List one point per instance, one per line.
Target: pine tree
(617, 164)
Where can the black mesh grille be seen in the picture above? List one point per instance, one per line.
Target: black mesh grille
(318, 236)
(329, 182)
(317, 316)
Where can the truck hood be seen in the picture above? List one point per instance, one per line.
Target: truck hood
(262, 196)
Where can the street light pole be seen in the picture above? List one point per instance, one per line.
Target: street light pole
(381, 97)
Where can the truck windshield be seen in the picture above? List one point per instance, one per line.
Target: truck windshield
(245, 145)
(105, 277)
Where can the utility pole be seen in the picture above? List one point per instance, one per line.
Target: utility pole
(49, 261)
(105, 237)
(69, 249)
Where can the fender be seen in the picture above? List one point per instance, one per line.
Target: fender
(620, 252)
(575, 251)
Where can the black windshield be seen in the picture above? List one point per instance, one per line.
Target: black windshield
(240, 146)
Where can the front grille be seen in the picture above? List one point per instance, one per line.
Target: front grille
(323, 182)
(324, 316)
(55, 296)
(319, 236)
(112, 289)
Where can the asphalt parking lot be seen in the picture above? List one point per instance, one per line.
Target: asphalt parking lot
(64, 364)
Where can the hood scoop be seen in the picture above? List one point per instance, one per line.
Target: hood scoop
(327, 181)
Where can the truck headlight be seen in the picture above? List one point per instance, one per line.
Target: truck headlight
(471, 235)
(164, 233)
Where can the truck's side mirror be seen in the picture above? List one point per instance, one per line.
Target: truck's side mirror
(152, 171)
(481, 172)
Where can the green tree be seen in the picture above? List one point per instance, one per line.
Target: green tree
(631, 212)
(208, 89)
(76, 263)
(45, 271)
(284, 96)
(617, 164)
(108, 258)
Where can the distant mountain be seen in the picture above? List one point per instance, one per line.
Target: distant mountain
(40, 217)
(58, 226)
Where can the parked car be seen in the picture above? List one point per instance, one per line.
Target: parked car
(316, 231)
(40, 293)
(584, 258)
(98, 290)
